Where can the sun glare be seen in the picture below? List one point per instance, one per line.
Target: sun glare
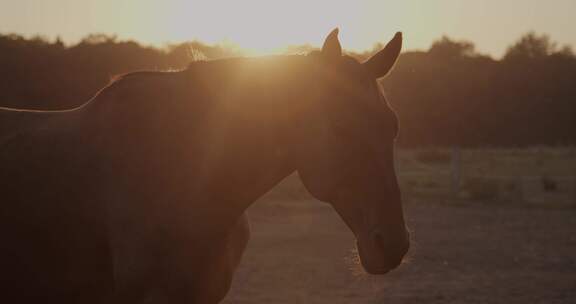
(269, 26)
(259, 26)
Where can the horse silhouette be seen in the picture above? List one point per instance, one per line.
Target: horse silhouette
(139, 195)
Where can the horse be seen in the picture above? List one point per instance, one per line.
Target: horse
(139, 195)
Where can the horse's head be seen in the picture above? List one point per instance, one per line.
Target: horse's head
(347, 157)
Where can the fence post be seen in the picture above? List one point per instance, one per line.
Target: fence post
(574, 180)
(574, 192)
(456, 171)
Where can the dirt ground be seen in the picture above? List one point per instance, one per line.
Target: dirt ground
(301, 252)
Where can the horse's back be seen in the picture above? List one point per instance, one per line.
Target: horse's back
(51, 225)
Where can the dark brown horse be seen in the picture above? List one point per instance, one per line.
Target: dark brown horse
(139, 195)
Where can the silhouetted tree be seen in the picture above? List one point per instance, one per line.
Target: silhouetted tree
(448, 48)
(447, 95)
(531, 46)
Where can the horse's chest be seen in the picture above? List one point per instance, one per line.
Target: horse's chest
(147, 251)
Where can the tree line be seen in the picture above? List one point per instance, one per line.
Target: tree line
(447, 95)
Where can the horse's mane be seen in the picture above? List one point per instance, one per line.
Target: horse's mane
(198, 67)
(143, 73)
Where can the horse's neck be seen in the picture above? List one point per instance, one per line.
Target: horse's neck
(251, 148)
(235, 149)
(248, 160)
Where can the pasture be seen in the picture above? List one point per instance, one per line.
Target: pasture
(532, 176)
(507, 236)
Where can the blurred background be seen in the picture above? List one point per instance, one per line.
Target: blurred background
(485, 92)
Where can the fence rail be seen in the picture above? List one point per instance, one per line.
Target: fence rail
(535, 176)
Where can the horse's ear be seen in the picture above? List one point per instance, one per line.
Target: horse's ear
(382, 62)
(331, 48)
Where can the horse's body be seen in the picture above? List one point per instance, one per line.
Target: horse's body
(75, 176)
(54, 234)
(140, 193)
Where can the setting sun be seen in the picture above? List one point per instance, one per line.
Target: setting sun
(262, 26)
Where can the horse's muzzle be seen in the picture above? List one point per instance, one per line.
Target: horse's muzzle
(380, 254)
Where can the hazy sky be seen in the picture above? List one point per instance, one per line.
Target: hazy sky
(267, 24)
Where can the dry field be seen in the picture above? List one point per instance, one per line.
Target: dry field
(473, 248)
(536, 176)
